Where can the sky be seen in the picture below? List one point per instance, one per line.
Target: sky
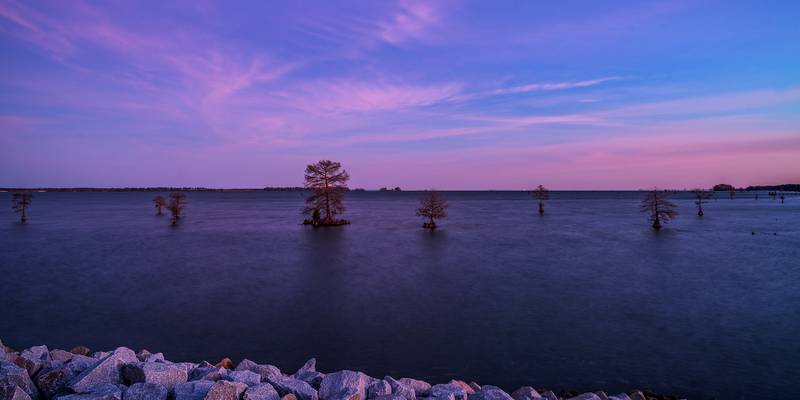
(416, 94)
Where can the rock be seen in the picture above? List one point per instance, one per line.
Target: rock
(81, 350)
(421, 388)
(101, 354)
(525, 393)
(621, 396)
(249, 378)
(585, 396)
(549, 395)
(637, 395)
(146, 391)
(167, 375)
(102, 391)
(226, 390)
(12, 375)
(53, 380)
(285, 385)
(106, 371)
(60, 355)
(195, 390)
(401, 389)
(262, 391)
(33, 358)
(602, 395)
(146, 356)
(207, 373)
(467, 388)
(390, 397)
(266, 371)
(475, 387)
(157, 357)
(30, 365)
(448, 392)
(80, 363)
(289, 397)
(378, 388)
(343, 385)
(13, 392)
(489, 392)
(225, 363)
(308, 373)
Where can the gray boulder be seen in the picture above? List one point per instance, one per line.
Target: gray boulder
(489, 392)
(448, 392)
(81, 350)
(33, 358)
(80, 363)
(421, 388)
(343, 385)
(266, 371)
(207, 373)
(52, 380)
(106, 371)
(621, 396)
(378, 388)
(167, 375)
(467, 388)
(249, 378)
(146, 356)
(12, 375)
(194, 390)
(60, 355)
(146, 391)
(526, 393)
(262, 391)
(13, 392)
(549, 395)
(585, 396)
(402, 389)
(102, 391)
(226, 390)
(474, 386)
(285, 385)
(308, 373)
(638, 395)
(390, 397)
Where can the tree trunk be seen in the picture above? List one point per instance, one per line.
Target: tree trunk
(541, 208)
(24, 217)
(656, 223)
(700, 209)
(328, 217)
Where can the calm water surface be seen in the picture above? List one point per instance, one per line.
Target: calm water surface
(586, 297)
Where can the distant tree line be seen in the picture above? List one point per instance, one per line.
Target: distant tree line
(326, 183)
(157, 189)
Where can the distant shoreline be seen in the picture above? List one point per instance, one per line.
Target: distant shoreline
(784, 188)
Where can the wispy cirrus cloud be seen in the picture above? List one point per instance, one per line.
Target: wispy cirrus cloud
(551, 86)
(411, 21)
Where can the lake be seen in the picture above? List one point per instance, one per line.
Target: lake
(586, 297)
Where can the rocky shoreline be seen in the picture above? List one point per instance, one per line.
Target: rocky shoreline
(38, 373)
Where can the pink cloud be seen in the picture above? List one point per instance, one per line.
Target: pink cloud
(411, 21)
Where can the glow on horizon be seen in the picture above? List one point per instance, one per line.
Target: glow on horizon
(417, 94)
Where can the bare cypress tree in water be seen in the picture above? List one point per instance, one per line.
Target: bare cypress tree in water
(660, 209)
(541, 194)
(432, 206)
(701, 196)
(328, 184)
(20, 203)
(160, 203)
(177, 202)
